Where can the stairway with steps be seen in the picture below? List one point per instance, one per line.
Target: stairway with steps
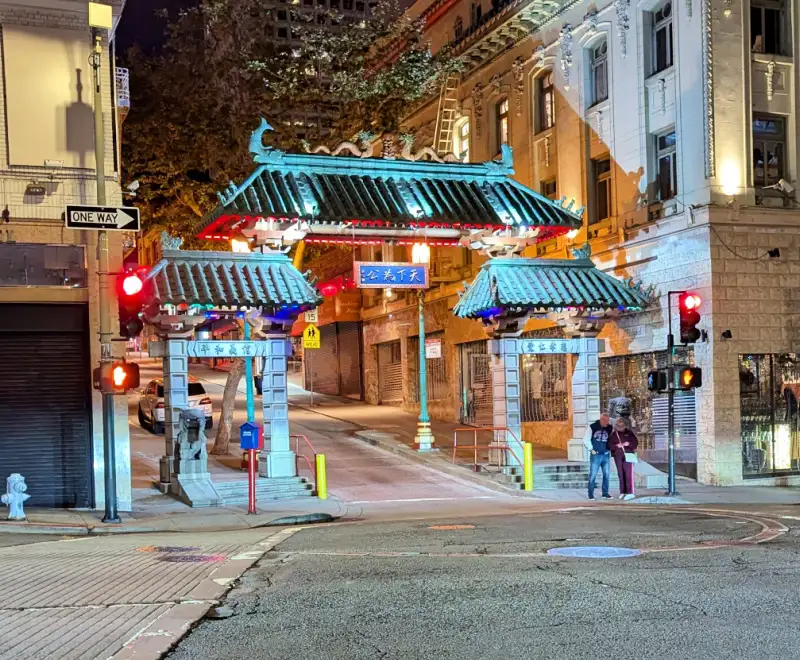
(553, 476)
(283, 488)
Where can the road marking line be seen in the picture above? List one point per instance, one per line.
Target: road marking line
(427, 499)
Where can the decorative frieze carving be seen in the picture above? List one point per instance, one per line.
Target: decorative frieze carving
(708, 93)
(623, 24)
(565, 41)
(770, 73)
(518, 71)
(477, 108)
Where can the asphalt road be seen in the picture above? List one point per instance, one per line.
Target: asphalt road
(484, 588)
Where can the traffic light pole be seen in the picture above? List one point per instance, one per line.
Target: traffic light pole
(106, 351)
(671, 397)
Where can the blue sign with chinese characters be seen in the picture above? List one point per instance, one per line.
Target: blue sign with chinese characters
(385, 275)
(226, 349)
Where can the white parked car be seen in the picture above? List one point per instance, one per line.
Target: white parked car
(151, 404)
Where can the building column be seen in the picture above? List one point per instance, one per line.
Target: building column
(175, 365)
(277, 459)
(585, 393)
(506, 404)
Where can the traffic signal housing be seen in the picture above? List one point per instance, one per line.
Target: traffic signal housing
(688, 378)
(133, 293)
(657, 380)
(688, 305)
(124, 377)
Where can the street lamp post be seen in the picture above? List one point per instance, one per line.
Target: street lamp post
(424, 440)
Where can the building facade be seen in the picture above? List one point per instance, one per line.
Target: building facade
(49, 313)
(674, 124)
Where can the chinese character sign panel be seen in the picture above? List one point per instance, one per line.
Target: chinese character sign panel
(383, 275)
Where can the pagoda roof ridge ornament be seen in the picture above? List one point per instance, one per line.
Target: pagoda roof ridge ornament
(261, 153)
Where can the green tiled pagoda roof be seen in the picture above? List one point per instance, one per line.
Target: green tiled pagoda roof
(383, 192)
(226, 279)
(518, 285)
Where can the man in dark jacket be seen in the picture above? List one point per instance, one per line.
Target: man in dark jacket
(596, 441)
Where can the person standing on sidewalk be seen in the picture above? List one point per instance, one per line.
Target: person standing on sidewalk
(623, 443)
(596, 441)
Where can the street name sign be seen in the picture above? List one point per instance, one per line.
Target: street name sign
(98, 218)
(384, 275)
(311, 337)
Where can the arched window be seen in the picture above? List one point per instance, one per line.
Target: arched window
(458, 28)
(461, 139)
(545, 102)
(599, 60)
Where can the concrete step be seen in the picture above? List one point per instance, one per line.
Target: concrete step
(237, 492)
(576, 475)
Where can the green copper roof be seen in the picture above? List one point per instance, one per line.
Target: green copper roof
(384, 191)
(519, 285)
(226, 279)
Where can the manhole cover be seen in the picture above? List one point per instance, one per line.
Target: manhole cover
(594, 552)
(451, 527)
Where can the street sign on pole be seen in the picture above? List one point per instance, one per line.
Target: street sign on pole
(311, 316)
(311, 337)
(99, 218)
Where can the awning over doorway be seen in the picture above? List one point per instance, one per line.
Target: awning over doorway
(226, 279)
(382, 193)
(526, 285)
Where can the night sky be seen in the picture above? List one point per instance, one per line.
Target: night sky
(140, 26)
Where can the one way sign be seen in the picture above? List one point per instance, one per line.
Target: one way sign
(122, 218)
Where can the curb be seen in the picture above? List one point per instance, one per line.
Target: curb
(79, 530)
(386, 441)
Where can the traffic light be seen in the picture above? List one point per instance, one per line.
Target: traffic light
(124, 377)
(688, 378)
(688, 304)
(132, 292)
(657, 380)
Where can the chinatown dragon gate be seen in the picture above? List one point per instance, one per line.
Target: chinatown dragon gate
(348, 195)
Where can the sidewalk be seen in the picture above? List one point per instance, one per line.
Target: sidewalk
(167, 515)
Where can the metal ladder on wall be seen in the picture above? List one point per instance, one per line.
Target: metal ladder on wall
(446, 116)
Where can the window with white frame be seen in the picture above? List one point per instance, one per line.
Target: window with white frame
(666, 165)
(546, 105)
(769, 150)
(502, 123)
(601, 172)
(662, 38)
(769, 27)
(599, 57)
(461, 146)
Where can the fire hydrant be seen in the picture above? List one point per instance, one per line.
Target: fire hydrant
(15, 496)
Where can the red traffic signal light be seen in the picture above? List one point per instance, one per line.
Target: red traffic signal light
(688, 378)
(132, 292)
(688, 304)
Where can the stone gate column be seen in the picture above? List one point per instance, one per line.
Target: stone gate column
(506, 404)
(175, 364)
(585, 392)
(277, 459)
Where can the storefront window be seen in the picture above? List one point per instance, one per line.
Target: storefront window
(625, 377)
(769, 387)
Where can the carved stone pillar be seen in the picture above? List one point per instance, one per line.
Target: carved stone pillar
(277, 458)
(176, 398)
(585, 393)
(506, 404)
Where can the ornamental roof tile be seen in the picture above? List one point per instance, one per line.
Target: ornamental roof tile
(544, 284)
(225, 279)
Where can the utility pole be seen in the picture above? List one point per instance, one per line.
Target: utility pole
(100, 18)
(671, 398)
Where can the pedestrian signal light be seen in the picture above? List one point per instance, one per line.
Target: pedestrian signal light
(124, 376)
(688, 304)
(657, 380)
(688, 378)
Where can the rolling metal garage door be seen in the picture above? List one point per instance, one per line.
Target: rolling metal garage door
(336, 365)
(349, 344)
(45, 402)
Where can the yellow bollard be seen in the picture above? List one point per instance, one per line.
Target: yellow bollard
(322, 478)
(527, 454)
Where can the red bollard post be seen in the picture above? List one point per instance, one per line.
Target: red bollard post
(251, 475)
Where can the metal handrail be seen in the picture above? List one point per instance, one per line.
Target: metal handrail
(495, 445)
(312, 466)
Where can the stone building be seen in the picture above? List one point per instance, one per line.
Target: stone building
(49, 318)
(674, 123)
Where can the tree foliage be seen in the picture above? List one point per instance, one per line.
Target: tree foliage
(195, 103)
